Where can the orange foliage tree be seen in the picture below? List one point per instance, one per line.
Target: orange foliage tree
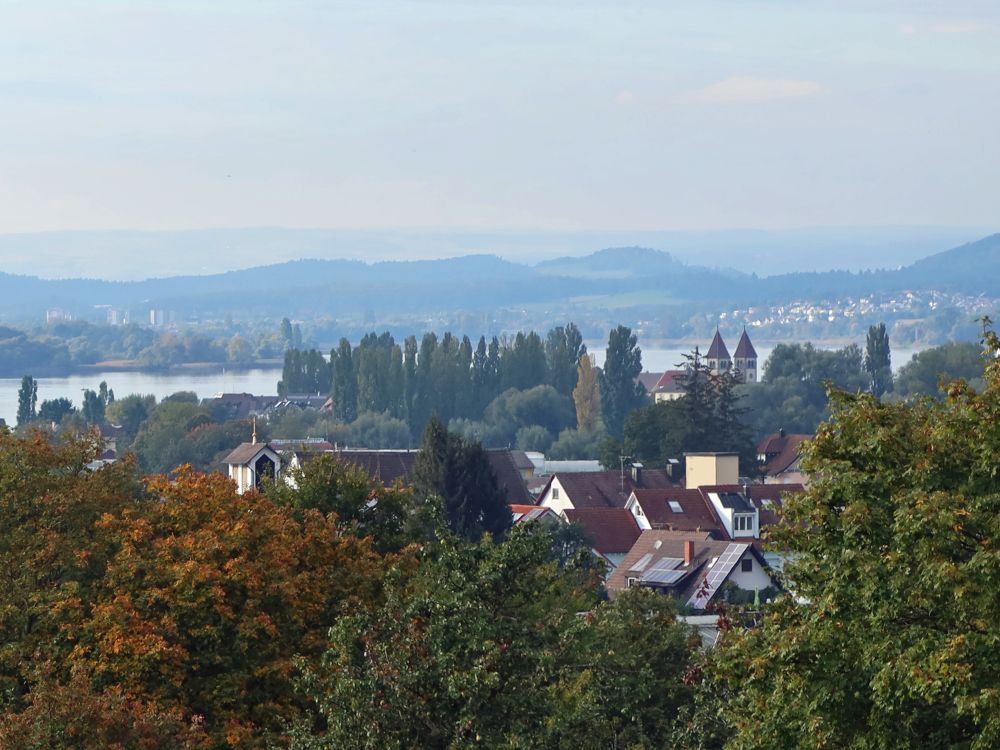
(211, 596)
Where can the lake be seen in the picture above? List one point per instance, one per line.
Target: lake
(263, 382)
(259, 382)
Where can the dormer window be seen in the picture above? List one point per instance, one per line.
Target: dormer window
(743, 522)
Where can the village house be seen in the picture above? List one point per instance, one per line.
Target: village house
(251, 463)
(712, 500)
(693, 568)
(600, 489)
(780, 458)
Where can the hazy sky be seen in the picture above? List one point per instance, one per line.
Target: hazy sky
(561, 114)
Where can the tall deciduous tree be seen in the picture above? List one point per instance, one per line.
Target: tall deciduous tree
(587, 396)
(878, 364)
(620, 391)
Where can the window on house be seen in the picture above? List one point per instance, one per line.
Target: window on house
(555, 493)
(743, 522)
(630, 582)
(746, 565)
(675, 506)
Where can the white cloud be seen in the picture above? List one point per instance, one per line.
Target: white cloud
(747, 89)
(624, 98)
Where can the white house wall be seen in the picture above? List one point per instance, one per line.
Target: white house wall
(558, 504)
(755, 580)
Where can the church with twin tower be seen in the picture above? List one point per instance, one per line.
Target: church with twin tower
(743, 364)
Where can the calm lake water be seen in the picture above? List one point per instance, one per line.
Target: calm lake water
(264, 382)
(259, 382)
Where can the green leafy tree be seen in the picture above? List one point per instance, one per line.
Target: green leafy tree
(93, 408)
(53, 410)
(878, 363)
(921, 375)
(620, 392)
(484, 646)
(892, 554)
(131, 411)
(27, 398)
(459, 473)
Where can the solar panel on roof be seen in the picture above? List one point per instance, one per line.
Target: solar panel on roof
(641, 563)
(720, 570)
(664, 577)
(667, 563)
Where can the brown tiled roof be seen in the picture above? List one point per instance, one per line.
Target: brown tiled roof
(613, 530)
(243, 453)
(649, 380)
(744, 349)
(718, 348)
(780, 451)
(660, 544)
(768, 499)
(696, 513)
(670, 382)
(670, 544)
(607, 489)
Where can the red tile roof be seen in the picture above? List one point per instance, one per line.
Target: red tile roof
(608, 489)
(648, 380)
(613, 530)
(696, 513)
(670, 382)
(780, 451)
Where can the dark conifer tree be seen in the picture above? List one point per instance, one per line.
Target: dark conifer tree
(459, 473)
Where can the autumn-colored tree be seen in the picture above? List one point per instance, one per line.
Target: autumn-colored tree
(74, 715)
(894, 558)
(209, 598)
(587, 396)
(49, 552)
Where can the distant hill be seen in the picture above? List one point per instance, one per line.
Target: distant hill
(966, 268)
(608, 279)
(132, 255)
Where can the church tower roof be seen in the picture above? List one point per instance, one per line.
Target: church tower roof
(718, 348)
(744, 349)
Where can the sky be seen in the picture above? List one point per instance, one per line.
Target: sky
(551, 114)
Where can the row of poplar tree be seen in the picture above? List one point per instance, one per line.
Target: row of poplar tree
(449, 376)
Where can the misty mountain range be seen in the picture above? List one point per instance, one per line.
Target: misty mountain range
(613, 279)
(136, 255)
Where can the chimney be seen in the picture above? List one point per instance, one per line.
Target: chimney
(688, 552)
(637, 473)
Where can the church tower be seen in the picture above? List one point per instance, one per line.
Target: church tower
(718, 359)
(746, 359)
